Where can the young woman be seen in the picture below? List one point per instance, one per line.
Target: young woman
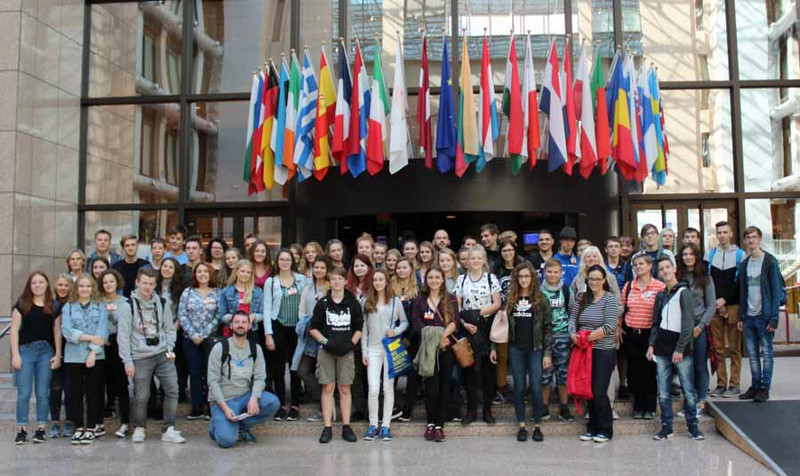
(169, 286)
(529, 343)
(404, 286)
(463, 259)
(392, 257)
(281, 314)
(379, 255)
(58, 387)
(116, 382)
(438, 308)
(310, 253)
(509, 259)
(667, 239)
(232, 256)
(197, 313)
(383, 317)
(84, 323)
(299, 260)
(427, 257)
(597, 313)
(76, 264)
(215, 255)
(35, 352)
(591, 257)
(335, 252)
(315, 290)
(241, 295)
(262, 263)
(478, 294)
(704, 297)
(359, 276)
(449, 265)
(99, 264)
(411, 251)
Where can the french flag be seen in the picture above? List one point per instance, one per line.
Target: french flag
(359, 112)
(552, 104)
(341, 123)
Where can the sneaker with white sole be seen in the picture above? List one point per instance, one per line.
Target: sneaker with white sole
(664, 433)
(123, 431)
(172, 436)
(99, 430)
(87, 438)
(138, 435)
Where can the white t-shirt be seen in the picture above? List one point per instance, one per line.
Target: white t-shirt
(476, 294)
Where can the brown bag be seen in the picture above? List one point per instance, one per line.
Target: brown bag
(463, 352)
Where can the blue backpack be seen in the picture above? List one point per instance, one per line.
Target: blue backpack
(739, 258)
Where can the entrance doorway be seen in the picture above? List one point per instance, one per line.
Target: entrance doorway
(679, 215)
(233, 225)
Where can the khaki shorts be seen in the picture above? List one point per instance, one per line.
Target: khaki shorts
(332, 369)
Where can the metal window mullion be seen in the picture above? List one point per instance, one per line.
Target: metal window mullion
(185, 131)
(736, 114)
(83, 145)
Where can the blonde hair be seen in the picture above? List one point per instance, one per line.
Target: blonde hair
(73, 297)
(583, 270)
(434, 253)
(479, 249)
(82, 255)
(409, 285)
(453, 273)
(248, 287)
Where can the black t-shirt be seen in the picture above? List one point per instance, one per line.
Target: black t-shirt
(504, 276)
(128, 272)
(523, 323)
(36, 325)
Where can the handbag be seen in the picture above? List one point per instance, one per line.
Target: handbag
(499, 332)
(396, 354)
(463, 352)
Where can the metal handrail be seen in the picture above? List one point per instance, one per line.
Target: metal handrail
(5, 331)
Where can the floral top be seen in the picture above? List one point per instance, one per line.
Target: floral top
(198, 314)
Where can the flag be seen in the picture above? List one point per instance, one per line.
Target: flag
(620, 120)
(257, 170)
(341, 123)
(488, 123)
(629, 82)
(573, 138)
(292, 105)
(326, 85)
(512, 108)
(322, 150)
(602, 131)
(277, 139)
(424, 107)
(468, 142)
(304, 130)
(379, 109)
(446, 125)
(252, 117)
(270, 112)
(649, 139)
(399, 138)
(531, 139)
(552, 104)
(660, 167)
(588, 135)
(359, 111)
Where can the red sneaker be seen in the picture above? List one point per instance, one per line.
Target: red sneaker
(438, 435)
(429, 433)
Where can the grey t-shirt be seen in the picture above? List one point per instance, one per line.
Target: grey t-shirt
(222, 385)
(754, 300)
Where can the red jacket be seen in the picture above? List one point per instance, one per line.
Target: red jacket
(579, 375)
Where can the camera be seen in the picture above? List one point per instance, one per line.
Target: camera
(152, 341)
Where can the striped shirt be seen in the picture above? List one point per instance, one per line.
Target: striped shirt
(603, 313)
(640, 303)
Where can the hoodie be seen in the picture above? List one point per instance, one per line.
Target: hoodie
(723, 270)
(148, 319)
(338, 322)
(674, 312)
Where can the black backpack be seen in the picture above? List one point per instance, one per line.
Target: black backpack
(226, 356)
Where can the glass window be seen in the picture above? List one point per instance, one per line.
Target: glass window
(593, 21)
(126, 161)
(778, 220)
(767, 42)
(145, 224)
(267, 228)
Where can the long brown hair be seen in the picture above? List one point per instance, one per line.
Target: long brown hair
(371, 304)
(446, 304)
(535, 291)
(698, 270)
(25, 301)
(408, 288)
(352, 280)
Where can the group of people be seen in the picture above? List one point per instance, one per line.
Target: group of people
(227, 324)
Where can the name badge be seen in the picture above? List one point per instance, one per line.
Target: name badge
(292, 291)
(428, 316)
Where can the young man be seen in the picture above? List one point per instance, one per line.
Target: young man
(102, 248)
(194, 256)
(539, 258)
(249, 239)
(761, 291)
(131, 264)
(627, 247)
(489, 235)
(236, 376)
(691, 236)
(146, 339)
(336, 325)
(561, 301)
(365, 245)
(723, 266)
(441, 239)
(468, 242)
(620, 268)
(158, 249)
(379, 255)
(649, 236)
(569, 262)
(177, 237)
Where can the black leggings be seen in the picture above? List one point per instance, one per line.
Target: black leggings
(285, 339)
(116, 381)
(88, 382)
(58, 389)
(483, 372)
(437, 390)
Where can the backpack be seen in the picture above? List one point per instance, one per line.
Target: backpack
(225, 358)
(739, 258)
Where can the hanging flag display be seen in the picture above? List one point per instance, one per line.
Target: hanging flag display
(573, 139)
(304, 129)
(588, 136)
(424, 107)
(552, 104)
(488, 123)
(250, 173)
(512, 109)
(276, 141)
(531, 140)
(379, 109)
(468, 145)
(602, 130)
(270, 112)
(322, 150)
(446, 125)
(399, 138)
(359, 112)
(341, 124)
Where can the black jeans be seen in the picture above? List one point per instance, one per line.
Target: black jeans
(180, 366)
(360, 384)
(88, 382)
(437, 390)
(58, 394)
(306, 373)
(601, 419)
(285, 339)
(484, 373)
(413, 381)
(116, 382)
(642, 382)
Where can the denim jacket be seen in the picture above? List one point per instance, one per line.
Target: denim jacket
(198, 314)
(229, 303)
(77, 321)
(273, 295)
(305, 344)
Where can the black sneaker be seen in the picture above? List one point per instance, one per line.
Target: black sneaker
(99, 430)
(38, 437)
(348, 435)
(522, 434)
(498, 399)
(405, 417)
(749, 394)
(22, 437)
(280, 415)
(695, 434)
(546, 413)
(77, 436)
(294, 414)
(488, 417)
(467, 420)
(87, 438)
(623, 393)
(396, 413)
(537, 435)
(666, 432)
(327, 435)
(760, 397)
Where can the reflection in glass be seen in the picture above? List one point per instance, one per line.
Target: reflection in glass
(145, 224)
(767, 39)
(778, 220)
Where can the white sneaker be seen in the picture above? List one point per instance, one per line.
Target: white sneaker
(138, 435)
(172, 436)
(123, 431)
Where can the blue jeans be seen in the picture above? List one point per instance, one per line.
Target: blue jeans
(685, 371)
(196, 361)
(701, 375)
(526, 363)
(226, 432)
(35, 371)
(758, 342)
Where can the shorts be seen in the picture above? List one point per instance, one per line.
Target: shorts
(560, 357)
(333, 369)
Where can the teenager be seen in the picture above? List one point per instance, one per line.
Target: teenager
(441, 239)
(76, 264)
(509, 259)
(544, 253)
(379, 255)
(671, 349)
(336, 325)
(569, 262)
(215, 255)
(404, 286)
(692, 236)
(99, 265)
(448, 262)
(281, 314)
(468, 241)
(232, 256)
(365, 245)
(581, 246)
(666, 239)
(242, 295)
(561, 301)
(615, 264)
(158, 250)
(627, 247)
(359, 276)
(597, 313)
(177, 238)
(240, 392)
(197, 314)
(130, 264)
(297, 255)
(58, 382)
(383, 317)
(478, 295)
(392, 257)
(335, 252)
(304, 361)
(463, 259)
(261, 258)
(35, 353)
(489, 238)
(249, 240)
(116, 382)
(310, 253)
(194, 256)
(650, 245)
(84, 323)
(102, 249)
(437, 308)
(170, 284)
(701, 289)
(761, 290)
(427, 258)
